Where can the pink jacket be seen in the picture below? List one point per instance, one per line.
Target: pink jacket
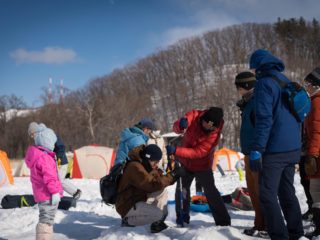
(43, 173)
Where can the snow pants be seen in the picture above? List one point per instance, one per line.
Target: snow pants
(252, 179)
(66, 183)
(215, 202)
(277, 193)
(154, 209)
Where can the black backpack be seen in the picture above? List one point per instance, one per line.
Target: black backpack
(109, 183)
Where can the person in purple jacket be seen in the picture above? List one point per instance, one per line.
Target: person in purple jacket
(46, 186)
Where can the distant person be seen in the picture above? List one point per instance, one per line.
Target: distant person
(245, 82)
(142, 198)
(312, 146)
(275, 149)
(61, 159)
(201, 136)
(156, 138)
(133, 137)
(46, 186)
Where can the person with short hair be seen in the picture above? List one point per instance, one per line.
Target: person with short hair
(61, 160)
(133, 137)
(142, 198)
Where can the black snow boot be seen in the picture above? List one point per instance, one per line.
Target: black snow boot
(316, 221)
(158, 226)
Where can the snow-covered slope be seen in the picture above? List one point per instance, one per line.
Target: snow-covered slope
(93, 220)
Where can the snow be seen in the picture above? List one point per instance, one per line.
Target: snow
(93, 220)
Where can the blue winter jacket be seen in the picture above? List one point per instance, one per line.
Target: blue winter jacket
(276, 129)
(247, 128)
(130, 138)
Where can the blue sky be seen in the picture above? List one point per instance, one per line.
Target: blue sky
(79, 40)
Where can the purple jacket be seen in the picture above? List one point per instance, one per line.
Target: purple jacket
(43, 173)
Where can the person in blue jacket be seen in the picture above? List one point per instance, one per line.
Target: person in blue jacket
(245, 82)
(275, 149)
(133, 137)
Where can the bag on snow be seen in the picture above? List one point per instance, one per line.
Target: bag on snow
(297, 98)
(109, 183)
(18, 201)
(241, 199)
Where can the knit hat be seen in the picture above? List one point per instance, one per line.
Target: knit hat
(213, 116)
(314, 77)
(147, 123)
(33, 127)
(45, 137)
(151, 152)
(256, 58)
(245, 80)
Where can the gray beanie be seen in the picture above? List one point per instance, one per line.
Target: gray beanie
(33, 127)
(45, 137)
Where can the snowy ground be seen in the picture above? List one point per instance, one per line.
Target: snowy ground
(93, 220)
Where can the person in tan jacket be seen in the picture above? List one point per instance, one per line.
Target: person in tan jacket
(156, 138)
(142, 197)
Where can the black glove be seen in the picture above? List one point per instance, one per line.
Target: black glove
(183, 124)
(310, 165)
(178, 171)
(171, 150)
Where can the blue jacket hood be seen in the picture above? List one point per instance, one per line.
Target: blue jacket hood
(269, 63)
(127, 134)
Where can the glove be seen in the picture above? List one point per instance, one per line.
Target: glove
(310, 165)
(171, 150)
(178, 171)
(55, 199)
(255, 163)
(183, 124)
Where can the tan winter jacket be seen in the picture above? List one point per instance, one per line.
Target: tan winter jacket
(138, 183)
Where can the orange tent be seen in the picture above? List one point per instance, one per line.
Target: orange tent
(226, 158)
(6, 177)
(92, 161)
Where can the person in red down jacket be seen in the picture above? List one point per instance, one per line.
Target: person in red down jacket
(201, 135)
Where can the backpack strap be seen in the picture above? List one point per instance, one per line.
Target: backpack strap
(281, 83)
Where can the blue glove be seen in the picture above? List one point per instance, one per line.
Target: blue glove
(171, 150)
(55, 199)
(255, 163)
(183, 124)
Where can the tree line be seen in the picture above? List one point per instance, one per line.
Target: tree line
(194, 73)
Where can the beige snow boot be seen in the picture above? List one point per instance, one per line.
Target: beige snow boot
(44, 231)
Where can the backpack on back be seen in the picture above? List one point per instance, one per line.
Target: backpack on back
(109, 183)
(297, 98)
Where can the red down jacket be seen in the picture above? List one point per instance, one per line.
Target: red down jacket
(197, 148)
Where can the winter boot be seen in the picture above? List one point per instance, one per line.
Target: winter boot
(44, 231)
(124, 222)
(186, 219)
(308, 215)
(316, 221)
(158, 226)
(77, 194)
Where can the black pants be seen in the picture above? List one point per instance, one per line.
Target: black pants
(215, 202)
(305, 182)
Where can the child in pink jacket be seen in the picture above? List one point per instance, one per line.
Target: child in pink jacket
(46, 186)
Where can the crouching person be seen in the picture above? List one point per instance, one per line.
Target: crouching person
(46, 186)
(142, 197)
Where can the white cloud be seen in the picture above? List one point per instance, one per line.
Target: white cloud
(49, 55)
(207, 15)
(203, 21)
